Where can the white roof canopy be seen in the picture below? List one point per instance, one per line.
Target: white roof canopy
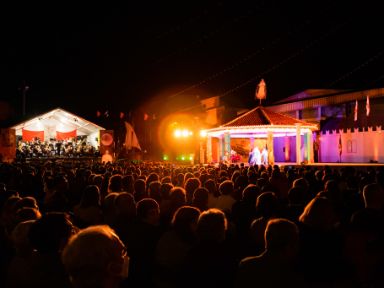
(58, 120)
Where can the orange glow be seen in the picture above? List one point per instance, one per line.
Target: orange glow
(176, 134)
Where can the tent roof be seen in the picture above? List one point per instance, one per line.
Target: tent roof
(59, 116)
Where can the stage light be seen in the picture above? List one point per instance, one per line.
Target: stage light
(185, 133)
(203, 133)
(165, 157)
(177, 133)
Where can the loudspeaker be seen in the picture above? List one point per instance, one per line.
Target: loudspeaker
(107, 145)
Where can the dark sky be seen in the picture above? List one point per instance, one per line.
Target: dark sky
(142, 55)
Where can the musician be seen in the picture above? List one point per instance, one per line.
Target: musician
(58, 147)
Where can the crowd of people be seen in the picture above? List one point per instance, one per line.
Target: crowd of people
(55, 148)
(149, 224)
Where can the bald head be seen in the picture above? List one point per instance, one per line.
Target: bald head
(94, 257)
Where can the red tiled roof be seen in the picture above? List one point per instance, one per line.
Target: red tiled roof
(260, 116)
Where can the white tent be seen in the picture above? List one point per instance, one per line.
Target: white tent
(60, 121)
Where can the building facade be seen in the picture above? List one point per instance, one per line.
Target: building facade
(350, 122)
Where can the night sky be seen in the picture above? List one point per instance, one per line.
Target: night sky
(142, 55)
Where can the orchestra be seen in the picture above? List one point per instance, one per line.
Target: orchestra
(55, 148)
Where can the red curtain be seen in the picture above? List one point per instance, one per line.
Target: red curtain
(31, 135)
(66, 135)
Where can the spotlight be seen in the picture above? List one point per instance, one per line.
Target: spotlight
(177, 133)
(185, 133)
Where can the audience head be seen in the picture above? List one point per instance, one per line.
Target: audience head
(115, 183)
(125, 204)
(20, 240)
(165, 190)
(185, 221)
(96, 257)
(319, 214)
(140, 189)
(301, 183)
(211, 186)
(226, 187)
(282, 237)
(154, 190)
(267, 204)
(50, 233)
(212, 226)
(250, 193)
(27, 213)
(191, 184)
(373, 196)
(200, 198)
(90, 197)
(178, 196)
(148, 211)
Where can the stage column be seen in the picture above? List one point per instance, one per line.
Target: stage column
(287, 148)
(298, 144)
(271, 157)
(309, 143)
(227, 147)
(220, 148)
(209, 149)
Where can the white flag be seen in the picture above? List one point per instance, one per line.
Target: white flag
(131, 140)
(367, 106)
(356, 110)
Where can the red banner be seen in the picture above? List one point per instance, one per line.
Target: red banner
(31, 135)
(66, 135)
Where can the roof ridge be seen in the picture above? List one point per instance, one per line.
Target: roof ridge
(239, 117)
(293, 118)
(265, 115)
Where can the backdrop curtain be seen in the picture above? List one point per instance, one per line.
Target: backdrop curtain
(66, 135)
(29, 135)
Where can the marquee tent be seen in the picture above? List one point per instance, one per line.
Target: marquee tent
(58, 124)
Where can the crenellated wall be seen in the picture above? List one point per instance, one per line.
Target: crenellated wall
(357, 147)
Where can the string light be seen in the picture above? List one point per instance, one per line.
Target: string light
(354, 70)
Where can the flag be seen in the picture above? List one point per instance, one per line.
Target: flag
(356, 110)
(261, 90)
(367, 106)
(340, 146)
(131, 140)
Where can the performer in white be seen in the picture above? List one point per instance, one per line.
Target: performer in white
(264, 156)
(256, 157)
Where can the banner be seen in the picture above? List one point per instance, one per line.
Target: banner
(28, 135)
(66, 135)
